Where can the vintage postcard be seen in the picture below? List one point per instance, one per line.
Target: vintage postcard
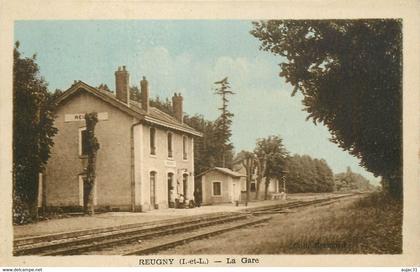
(210, 134)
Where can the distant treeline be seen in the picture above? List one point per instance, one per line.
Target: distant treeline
(352, 181)
(308, 175)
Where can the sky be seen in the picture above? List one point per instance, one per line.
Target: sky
(186, 56)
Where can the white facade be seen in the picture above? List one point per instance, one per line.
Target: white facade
(155, 169)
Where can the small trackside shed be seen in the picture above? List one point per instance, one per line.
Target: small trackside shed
(220, 185)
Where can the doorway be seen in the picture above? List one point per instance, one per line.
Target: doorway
(153, 190)
(171, 193)
(86, 189)
(185, 185)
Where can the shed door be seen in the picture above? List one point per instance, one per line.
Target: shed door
(236, 190)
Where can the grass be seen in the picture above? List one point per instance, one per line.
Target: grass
(361, 225)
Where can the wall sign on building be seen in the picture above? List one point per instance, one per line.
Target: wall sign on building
(75, 117)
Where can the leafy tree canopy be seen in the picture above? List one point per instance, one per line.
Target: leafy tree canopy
(349, 180)
(33, 133)
(350, 74)
(104, 87)
(207, 150)
(164, 105)
(274, 152)
(308, 175)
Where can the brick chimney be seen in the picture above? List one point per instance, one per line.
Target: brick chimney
(121, 85)
(144, 94)
(177, 106)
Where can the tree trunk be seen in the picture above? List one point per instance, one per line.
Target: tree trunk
(90, 201)
(248, 163)
(32, 197)
(223, 158)
(44, 194)
(85, 201)
(247, 188)
(257, 189)
(92, 148)
(91, 181)
(261, 167)
(267, 182)
(33, 209)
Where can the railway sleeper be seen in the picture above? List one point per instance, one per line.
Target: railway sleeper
(43, 239)
(294, 205)
(115, 241)
(158, 246)
(40, 247)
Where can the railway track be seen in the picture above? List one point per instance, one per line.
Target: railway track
(285, 207)
(71, 244)
(141, 239)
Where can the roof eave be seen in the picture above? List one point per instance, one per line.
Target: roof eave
(216, 169)
(172, 126)
(120, 105)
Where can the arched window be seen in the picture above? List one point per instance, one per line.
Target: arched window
(170, 145)
(171, 190)
(153, 141)
(184, 147)
(153, 188)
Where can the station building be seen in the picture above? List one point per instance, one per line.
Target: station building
(145, 155)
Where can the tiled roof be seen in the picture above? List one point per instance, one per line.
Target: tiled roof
(226, 171)
(154, 116)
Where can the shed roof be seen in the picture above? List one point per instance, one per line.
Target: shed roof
(225, 171)
(153, 116)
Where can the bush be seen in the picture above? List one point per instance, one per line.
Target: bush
(21, 213)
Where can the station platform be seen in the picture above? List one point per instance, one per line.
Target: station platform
(113, 219)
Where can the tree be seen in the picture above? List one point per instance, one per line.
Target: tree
(271, 160)
(207, 152)
(306, 175)
(92, 147)
(324, 178)
(248, 163)
(135, 93)
(163, 105)
(350, 74)
(104, 87)
(224, 122)
(33, 133)
(349, 180)
(55, 95)
(261, 166)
